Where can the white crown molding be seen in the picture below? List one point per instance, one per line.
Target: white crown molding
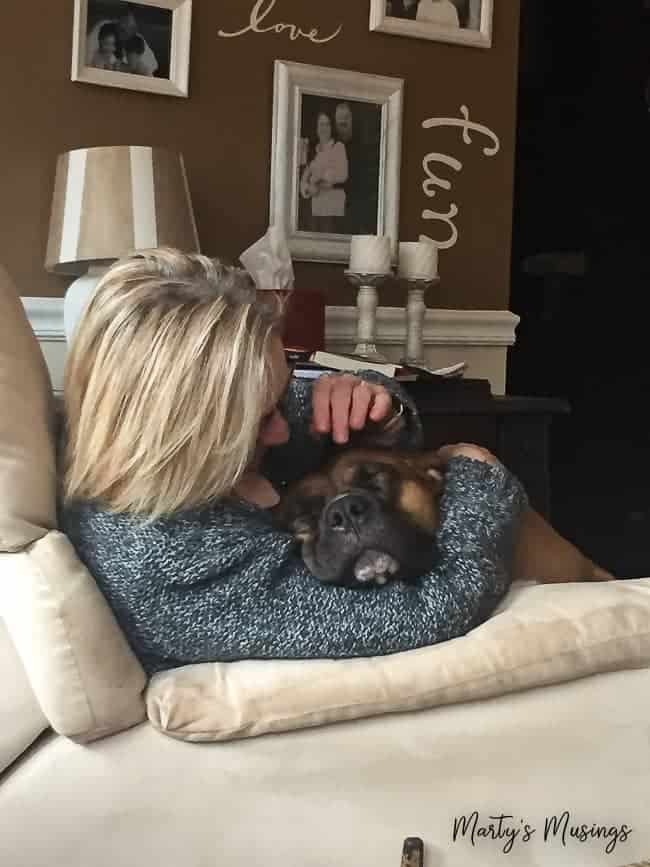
(46, 318)
(441, 327)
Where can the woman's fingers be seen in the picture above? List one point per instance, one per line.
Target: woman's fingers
(341, 403)
(362, 397)
(344, 402)
(382, 404)
(321, 412)
(331, 402)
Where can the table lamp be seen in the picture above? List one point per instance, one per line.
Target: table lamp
(109, 202)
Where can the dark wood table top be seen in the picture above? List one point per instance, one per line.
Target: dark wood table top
(473, 397)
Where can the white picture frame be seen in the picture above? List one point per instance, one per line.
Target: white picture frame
(476, 32)
(375, 105)
(175, 79)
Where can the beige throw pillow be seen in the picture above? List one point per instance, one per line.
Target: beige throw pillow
(541, 634)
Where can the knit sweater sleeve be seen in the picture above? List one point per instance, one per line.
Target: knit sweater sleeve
(227, 586)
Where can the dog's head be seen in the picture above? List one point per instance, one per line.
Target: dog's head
(368, 517)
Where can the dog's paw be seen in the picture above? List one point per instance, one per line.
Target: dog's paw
(375, 566)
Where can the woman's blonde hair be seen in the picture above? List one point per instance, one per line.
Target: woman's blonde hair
(166, 382)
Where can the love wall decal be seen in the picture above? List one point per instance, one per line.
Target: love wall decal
(258, 23)
(433, 182)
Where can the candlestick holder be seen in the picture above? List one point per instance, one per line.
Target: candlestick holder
(415, 312)
(367, 299)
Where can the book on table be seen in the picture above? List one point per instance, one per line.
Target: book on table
(335, 361)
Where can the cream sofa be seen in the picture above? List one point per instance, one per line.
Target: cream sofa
(542, 712)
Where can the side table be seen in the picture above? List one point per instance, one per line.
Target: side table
(516, 429)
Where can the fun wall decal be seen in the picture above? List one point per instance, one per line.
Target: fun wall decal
(259, 23)
(433, 182)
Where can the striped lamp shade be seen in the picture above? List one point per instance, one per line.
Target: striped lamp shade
(111, 201)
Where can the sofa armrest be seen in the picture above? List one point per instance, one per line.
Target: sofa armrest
(21, 719)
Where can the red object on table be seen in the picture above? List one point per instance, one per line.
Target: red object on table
(304, 326)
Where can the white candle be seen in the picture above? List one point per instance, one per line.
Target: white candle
(418, 260)
(370, 254)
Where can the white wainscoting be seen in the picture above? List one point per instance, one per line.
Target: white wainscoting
(46, 318)
(479, 337)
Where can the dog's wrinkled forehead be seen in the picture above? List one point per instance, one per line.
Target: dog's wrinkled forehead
(407, 484)
(411, 483)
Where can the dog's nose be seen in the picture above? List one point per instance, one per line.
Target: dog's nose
(348, 511)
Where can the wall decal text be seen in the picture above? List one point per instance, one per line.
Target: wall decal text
(433, 182)
(261, 11)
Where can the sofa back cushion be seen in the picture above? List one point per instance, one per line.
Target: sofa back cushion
(80, 667)
(27, 459)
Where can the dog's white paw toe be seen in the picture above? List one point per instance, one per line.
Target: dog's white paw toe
(375, 566)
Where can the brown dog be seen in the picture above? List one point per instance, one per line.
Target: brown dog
(371, 515)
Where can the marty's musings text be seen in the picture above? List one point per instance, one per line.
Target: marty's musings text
(510, 831)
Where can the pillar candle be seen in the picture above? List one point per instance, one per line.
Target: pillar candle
(370, 254)
(418, 260)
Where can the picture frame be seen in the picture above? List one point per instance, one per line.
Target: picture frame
(324, 190)
(463, 22)
(145, 45)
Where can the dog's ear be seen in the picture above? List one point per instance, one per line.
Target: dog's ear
(420, 494)
(429, 465)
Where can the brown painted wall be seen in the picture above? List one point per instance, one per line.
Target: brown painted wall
(224, 131)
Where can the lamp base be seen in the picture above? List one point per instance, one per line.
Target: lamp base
(77, 296)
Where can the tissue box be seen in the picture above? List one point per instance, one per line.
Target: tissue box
(304, 326)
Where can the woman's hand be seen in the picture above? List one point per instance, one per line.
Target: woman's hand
(305, 191)
(466, 450)
(342, 402)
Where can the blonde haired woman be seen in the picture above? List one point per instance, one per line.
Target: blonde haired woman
(175, 387)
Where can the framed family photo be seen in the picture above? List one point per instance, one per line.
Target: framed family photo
(139, 46)
(467, 22)
(335, 165)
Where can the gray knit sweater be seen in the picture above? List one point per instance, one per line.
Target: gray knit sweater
(221, 583)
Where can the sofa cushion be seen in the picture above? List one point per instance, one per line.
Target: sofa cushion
(347, 795)
(85, 675)
(541, 634)
(21, 719)
(27, 459)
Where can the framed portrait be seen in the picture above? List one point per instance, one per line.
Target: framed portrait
(335, 165)
(467, 22)
(139, 46)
